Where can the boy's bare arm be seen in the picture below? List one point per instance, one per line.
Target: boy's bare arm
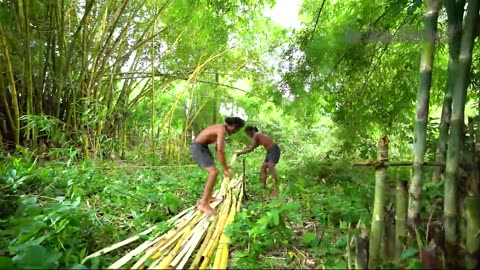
(252, 146)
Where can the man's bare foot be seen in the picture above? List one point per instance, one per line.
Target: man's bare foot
(275, 192)
(207, 209)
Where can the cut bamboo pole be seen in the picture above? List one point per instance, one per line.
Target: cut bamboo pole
(401, 206)
(207, 239)
(134, 238)
(377, 224)
(216, 235)
(199, 229)
(166, 262)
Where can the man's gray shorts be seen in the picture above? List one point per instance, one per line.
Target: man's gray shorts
(273, 154)
(202, 154)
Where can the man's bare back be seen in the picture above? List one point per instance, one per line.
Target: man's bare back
(210, 134)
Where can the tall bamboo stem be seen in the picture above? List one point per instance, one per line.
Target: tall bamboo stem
(377, 226)
(454, 30)
(456, 132)
(423, 97)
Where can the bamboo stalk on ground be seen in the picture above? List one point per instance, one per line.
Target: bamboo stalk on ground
(377, 225)
(133, 238)
(202, 248)
(222, 243)
(171, 255)
(209, 250)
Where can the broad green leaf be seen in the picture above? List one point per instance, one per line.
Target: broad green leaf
(6, 262)
(308, 238)
(37, 257)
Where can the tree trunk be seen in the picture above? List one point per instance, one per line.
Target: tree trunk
(456, 131)
(423, 96)
(454, 30)
(377, 226)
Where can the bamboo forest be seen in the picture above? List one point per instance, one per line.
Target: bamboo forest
(240, 134)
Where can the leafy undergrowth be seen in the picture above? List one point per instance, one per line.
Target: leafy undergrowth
(60, 212)
(307, 226)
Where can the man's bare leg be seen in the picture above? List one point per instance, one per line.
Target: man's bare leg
(204, 205)
(263, 175)
(273, 173)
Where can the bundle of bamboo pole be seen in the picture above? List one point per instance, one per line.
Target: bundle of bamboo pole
(193, 240)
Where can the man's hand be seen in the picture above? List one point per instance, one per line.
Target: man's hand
(227, 173)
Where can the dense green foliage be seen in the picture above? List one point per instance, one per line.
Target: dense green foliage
(99, 101)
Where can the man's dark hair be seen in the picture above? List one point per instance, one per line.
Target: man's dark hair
(235, 121)
(251, 129)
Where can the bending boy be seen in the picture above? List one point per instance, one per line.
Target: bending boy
(272, 157)
(203, 156)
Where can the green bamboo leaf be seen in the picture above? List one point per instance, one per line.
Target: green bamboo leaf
(275, 217)
(408, 253)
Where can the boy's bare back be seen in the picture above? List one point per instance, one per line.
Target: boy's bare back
(210, 134)
(263, 140)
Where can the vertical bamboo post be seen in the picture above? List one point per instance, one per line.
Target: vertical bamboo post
(361, 247)
(377, 224)
(243, 179)
(401, 205)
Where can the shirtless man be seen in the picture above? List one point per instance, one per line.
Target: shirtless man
(272, 157)
(203, 156)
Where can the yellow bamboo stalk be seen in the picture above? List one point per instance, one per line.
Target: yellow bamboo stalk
(219, 228)
(198, 256)
(175, 219)
(192, 245)
(157, 249)
(223, 239)
(166, 262)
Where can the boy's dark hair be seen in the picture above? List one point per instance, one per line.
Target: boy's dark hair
(235, 121)
(251, 129)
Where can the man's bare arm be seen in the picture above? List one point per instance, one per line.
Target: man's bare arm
(221, 147)
(251, 147)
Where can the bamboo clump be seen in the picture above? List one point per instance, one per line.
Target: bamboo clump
(196, 241)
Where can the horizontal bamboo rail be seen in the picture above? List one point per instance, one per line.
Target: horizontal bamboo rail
(386, 163)
(195, 241)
